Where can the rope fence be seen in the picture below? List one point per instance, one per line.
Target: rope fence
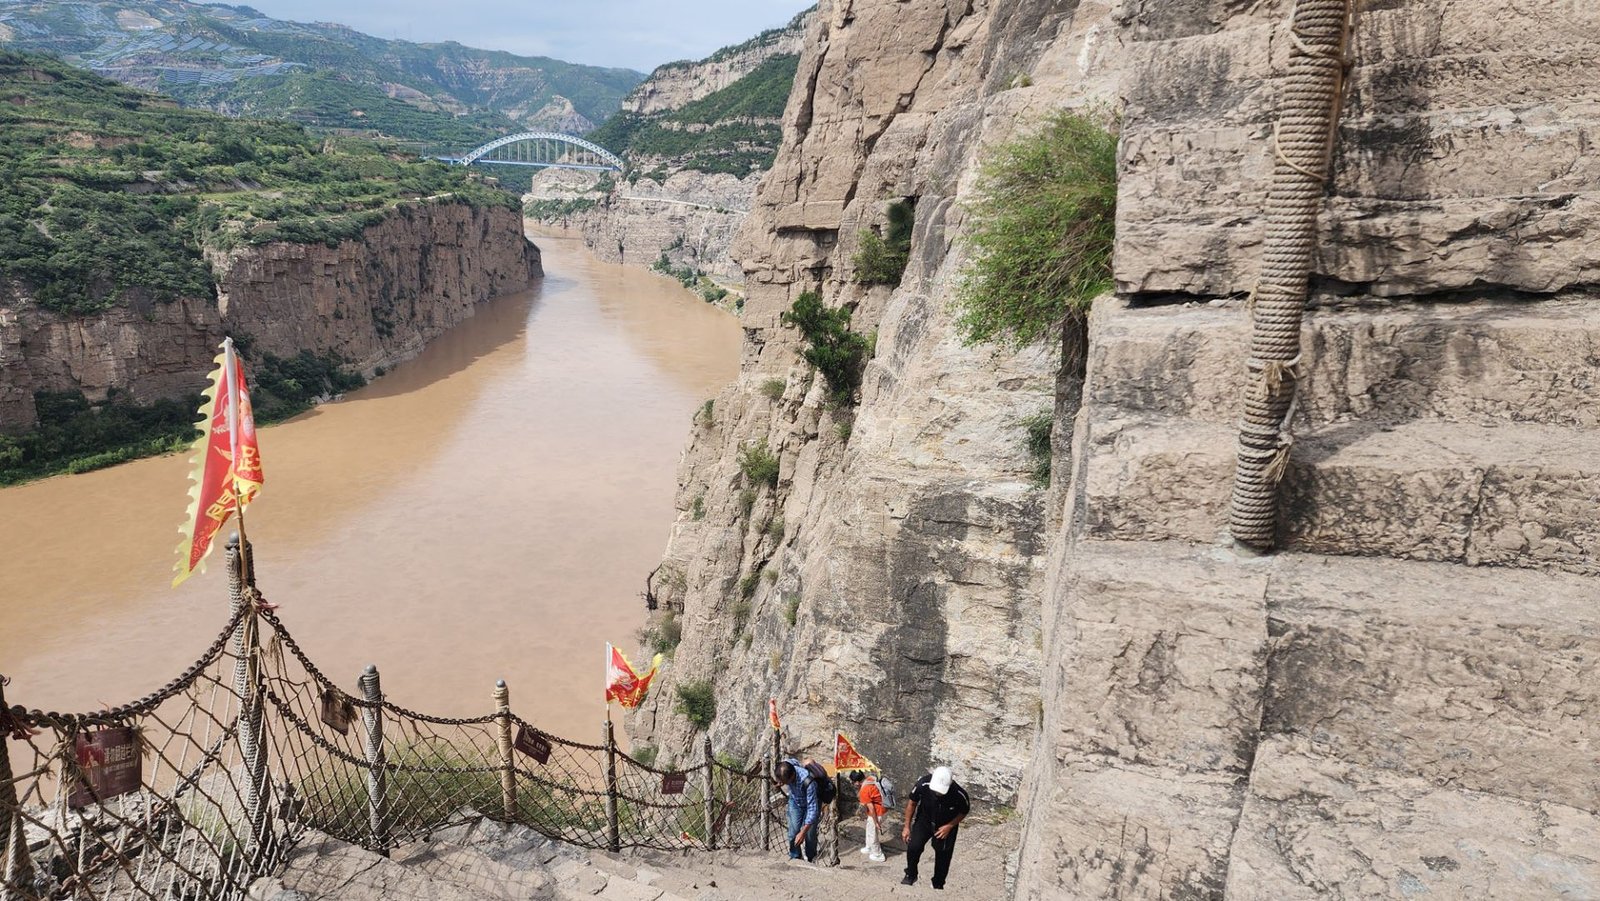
(199, 788)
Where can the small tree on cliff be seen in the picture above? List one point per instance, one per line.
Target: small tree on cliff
(837, 352)
(1041, 234)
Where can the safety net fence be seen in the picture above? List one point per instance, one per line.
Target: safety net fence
(199, 788)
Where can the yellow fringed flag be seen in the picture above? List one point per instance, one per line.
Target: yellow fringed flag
(846, 757)
(227, 462)
(624, 684)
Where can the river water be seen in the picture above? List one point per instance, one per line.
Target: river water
(488, 510)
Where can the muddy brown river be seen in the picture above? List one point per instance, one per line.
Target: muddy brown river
(487, 510)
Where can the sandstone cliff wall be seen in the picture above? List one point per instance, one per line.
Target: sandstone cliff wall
(910, 552)
(1400, 701)
(373, 301)
(675, 84)
(1396, 703)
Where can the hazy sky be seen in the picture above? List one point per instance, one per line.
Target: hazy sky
(635, 34)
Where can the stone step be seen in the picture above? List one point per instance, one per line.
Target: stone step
(1516, 494)
(1319, 713)
(1314, 826)
(1477, 677)
(1482, 362)
(324, 868)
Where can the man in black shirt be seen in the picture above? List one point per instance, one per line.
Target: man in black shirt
(934, 811)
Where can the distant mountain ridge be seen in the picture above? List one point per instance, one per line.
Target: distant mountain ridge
(236, 60)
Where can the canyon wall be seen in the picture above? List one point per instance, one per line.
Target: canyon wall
(372, 301)
(675, 84)
(1400, 701)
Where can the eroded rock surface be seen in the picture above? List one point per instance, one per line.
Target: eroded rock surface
(373, 301)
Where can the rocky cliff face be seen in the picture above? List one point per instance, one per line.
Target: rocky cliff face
(690, 217)
(889, 584)
(1396, 703)
(675, 84)
(372, 301)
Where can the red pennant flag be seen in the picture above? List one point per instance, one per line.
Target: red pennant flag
(846, 757)
(623, 683)
(772, 714)
(227, 463)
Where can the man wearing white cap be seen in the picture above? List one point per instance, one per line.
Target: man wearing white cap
(934, 811)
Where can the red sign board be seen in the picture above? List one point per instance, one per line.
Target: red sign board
(533, 744)
(673, 783)
(108, 765)
(337, 711)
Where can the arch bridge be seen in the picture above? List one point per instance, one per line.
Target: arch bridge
(545, 149)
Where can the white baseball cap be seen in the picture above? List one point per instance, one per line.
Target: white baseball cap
(940, 783)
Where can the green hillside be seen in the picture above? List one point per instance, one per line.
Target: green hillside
(732, 130)
(235, 60)
(108, 193)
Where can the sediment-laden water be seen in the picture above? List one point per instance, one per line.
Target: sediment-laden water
(488, 510)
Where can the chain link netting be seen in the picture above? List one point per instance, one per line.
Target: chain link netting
(253, 750)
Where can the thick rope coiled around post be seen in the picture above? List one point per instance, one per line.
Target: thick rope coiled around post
(1302, 143)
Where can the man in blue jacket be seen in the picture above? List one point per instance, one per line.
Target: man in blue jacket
(804, 807)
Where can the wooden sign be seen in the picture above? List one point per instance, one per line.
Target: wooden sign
(109, 764)
(337, 711)
(533, 744)
(673, 783)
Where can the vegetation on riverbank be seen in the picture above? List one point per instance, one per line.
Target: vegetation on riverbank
(74, 435)
(107, 193)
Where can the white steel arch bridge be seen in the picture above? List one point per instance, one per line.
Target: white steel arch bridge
(544, 149)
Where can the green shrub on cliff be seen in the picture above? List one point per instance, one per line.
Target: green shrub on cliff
(882, 260)
(759, 464)
(1041, 232)
(836, 351)
(698, 703)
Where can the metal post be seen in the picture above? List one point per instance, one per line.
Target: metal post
(710, 795)
(246, 686)
(17, 866)
(613, 826)
(377, 801)
(508, 775)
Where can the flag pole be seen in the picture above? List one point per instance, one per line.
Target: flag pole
(230, 373)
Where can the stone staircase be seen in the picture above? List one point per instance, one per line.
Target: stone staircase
(481, 861)
(489, 861)
(1399, 701)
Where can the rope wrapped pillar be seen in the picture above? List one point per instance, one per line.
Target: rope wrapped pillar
(377, 800)
(247, 686)
(16, 867)
(613, 825)
(508, 765)
(1302, 147)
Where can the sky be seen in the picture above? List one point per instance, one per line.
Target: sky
(633, 34)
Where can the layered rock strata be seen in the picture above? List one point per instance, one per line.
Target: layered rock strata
(888, 583)
(1395, 704)
(372, 301)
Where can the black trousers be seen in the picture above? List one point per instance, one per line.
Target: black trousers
(943, 850)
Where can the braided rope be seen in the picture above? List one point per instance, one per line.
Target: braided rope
(1302, 145)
